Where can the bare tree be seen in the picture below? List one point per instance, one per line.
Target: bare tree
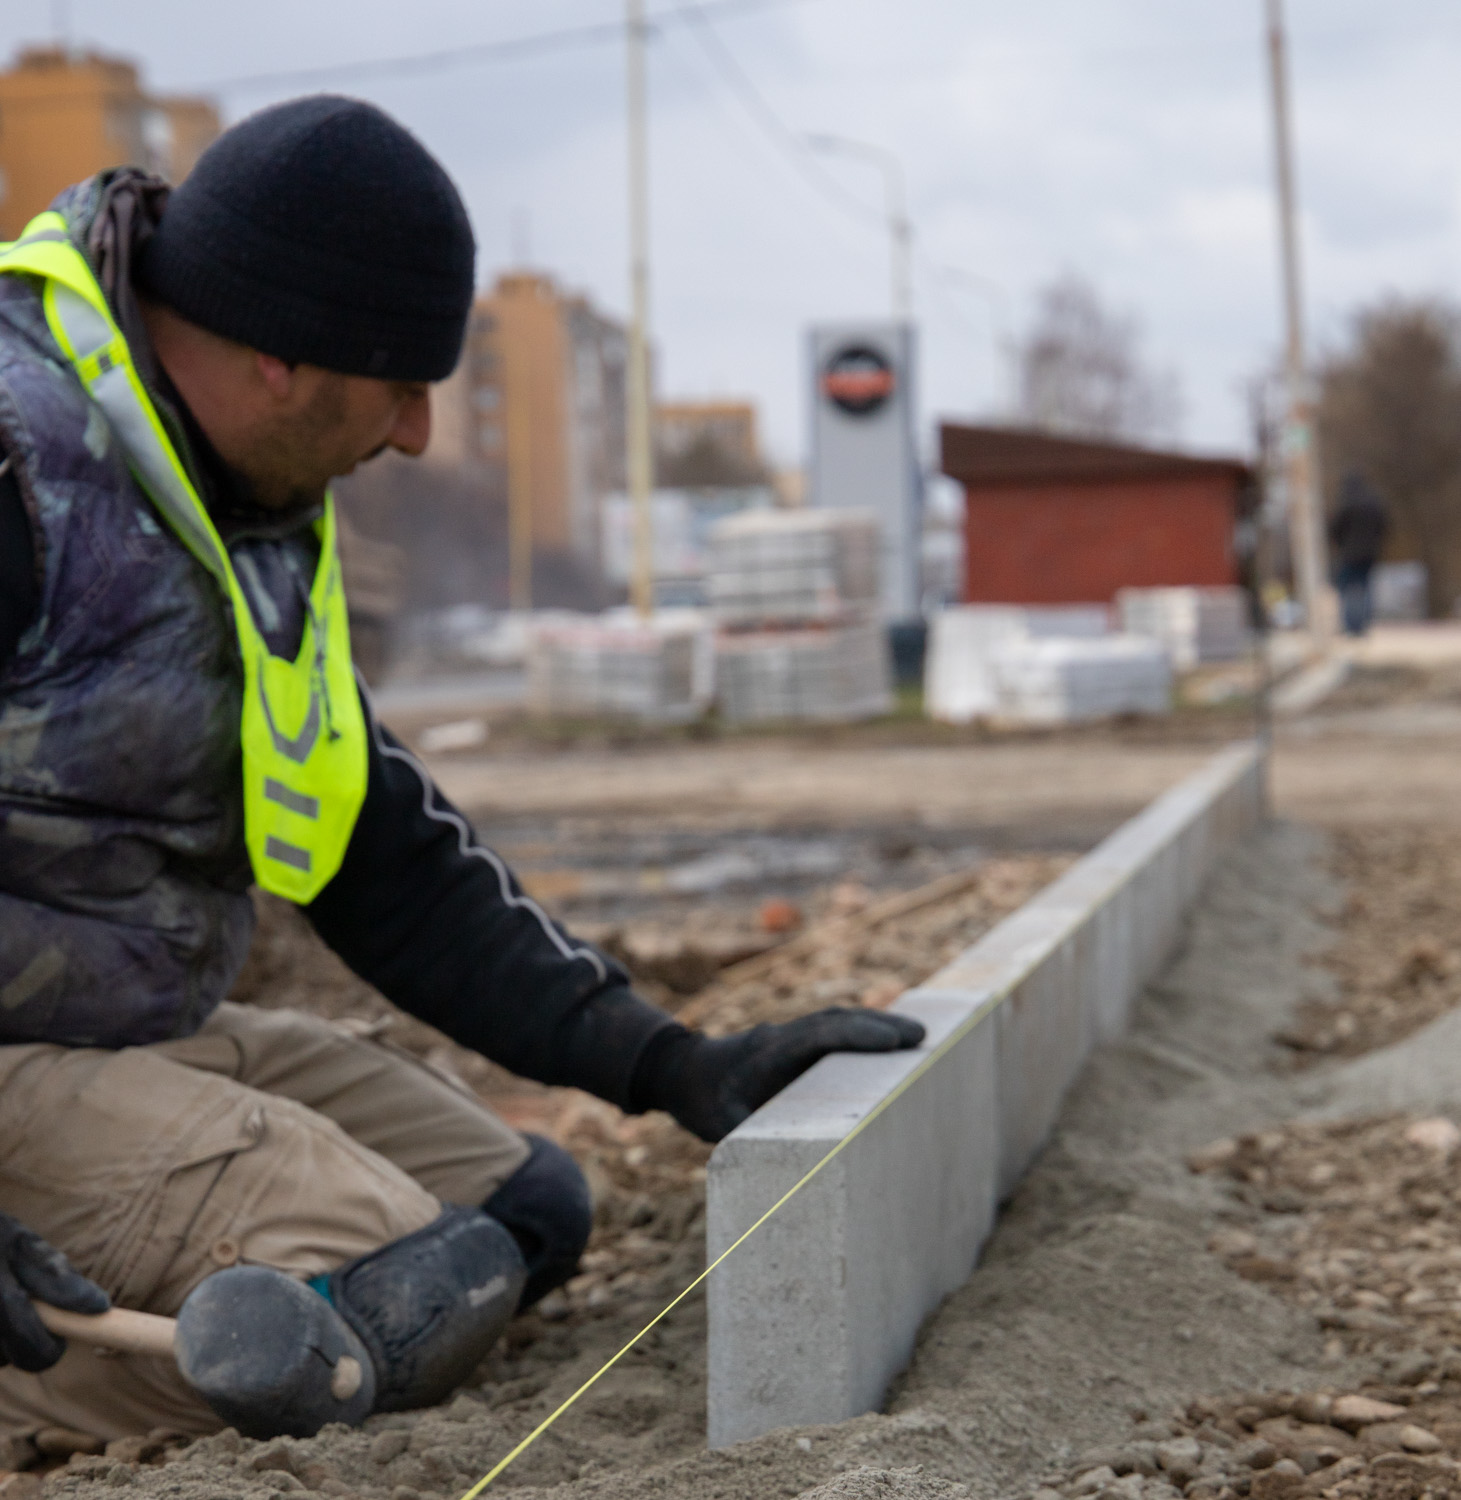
(1390, 409)
(1081, 372)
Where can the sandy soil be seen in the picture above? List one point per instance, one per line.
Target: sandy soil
(1098, 1293)
(1380, 751)
(1076, 787)
(1218, 1260)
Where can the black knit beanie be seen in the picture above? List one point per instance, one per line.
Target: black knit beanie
(322, 232)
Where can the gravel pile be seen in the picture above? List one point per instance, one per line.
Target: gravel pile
(1396, 960)
(1393, 1442)
(1359, 1220)
(869, 953)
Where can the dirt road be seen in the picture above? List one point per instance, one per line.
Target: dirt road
(1060, 785)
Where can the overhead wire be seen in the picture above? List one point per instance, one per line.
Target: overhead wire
(756, 105)
(449, 58)
(796, 149)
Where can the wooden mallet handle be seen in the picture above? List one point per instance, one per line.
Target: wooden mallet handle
(146, 1333)
(118, 1328)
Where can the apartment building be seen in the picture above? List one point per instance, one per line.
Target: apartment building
(65, 115)
(541, 389)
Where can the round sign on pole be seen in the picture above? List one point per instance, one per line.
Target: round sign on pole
(858, 379)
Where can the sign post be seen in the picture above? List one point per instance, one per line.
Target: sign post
(864, 444)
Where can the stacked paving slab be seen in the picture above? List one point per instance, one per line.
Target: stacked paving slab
(1040, 665)
(621, 666)
(1197, 625)
(795, 595)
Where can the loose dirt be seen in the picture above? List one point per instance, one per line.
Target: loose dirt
(1397, 956)
(1137, 1328)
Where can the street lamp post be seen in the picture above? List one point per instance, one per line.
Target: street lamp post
(895, 197)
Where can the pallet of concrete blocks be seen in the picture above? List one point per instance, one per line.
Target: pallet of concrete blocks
(834, 673)
(793, 567)
(620, 665)
(1197, 625)
(1066, 681)
(959, 682)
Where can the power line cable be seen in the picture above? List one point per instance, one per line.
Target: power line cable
(792, 145)
(798, 151)
(796, 148)
(450, 58)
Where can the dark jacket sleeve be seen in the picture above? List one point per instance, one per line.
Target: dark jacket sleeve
(20, 592)
(437, 922)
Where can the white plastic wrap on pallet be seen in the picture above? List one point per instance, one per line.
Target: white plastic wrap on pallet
(1067, 681)
(959, 678)
(836, 673)
(793, 567)
(662, 669)
(1196, 625)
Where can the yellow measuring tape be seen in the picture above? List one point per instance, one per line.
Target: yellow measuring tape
(952, 1039)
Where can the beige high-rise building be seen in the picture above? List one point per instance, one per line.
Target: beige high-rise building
(540, 387)
(65, 115)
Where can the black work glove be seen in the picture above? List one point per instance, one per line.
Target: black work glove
(29, 1267)
(711, 1084)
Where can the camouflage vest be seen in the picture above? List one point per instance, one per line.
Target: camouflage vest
(124, 906)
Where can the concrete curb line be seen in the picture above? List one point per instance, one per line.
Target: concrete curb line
(818, 1311)
(1310, 686)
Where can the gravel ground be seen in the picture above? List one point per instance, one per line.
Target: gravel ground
(1397, 954)
(1219, 1260)
(646, 1174)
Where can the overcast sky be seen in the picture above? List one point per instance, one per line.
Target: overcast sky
(1125, 139)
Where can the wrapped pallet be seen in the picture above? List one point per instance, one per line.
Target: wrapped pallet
(1068, 681)
(1197, 625)
(792, 567)
(834, 673)
(959, 680)
(619, 665)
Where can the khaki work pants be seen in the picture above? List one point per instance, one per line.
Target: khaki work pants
(269, 1138)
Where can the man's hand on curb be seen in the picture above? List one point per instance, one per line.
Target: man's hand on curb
(711, 1084)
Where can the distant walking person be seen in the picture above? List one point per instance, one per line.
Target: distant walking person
(1357, 532)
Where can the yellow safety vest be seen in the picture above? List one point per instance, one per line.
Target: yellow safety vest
(303, 731)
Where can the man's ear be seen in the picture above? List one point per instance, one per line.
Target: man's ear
(278, 376)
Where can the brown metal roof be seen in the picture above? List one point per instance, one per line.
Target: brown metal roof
(990, 456)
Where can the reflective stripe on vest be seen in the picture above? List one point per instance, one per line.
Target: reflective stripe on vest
(302, 733)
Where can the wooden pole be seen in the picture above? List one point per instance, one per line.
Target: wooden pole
(1305, 506)
(638, 453)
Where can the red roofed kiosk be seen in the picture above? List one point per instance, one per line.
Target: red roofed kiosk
(1061, 520)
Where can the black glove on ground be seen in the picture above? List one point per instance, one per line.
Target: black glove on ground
(711, 1084)
(29, 1267)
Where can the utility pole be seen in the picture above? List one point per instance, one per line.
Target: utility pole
(637, 447)
(517, 370)
(1306, 512)
(895, 199)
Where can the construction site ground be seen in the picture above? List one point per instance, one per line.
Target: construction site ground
(1236, 1269)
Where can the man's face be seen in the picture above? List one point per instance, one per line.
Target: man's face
(321, 426)
(287, 429)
